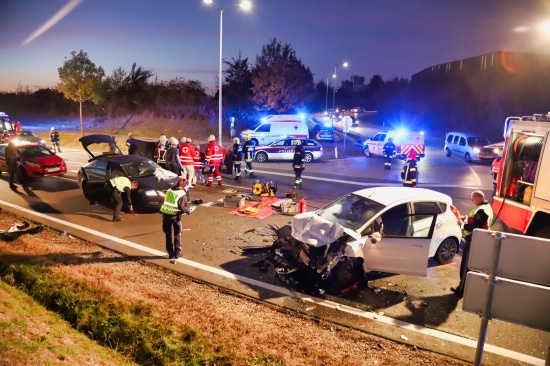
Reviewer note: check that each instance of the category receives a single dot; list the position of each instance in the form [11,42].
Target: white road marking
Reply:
[320,302]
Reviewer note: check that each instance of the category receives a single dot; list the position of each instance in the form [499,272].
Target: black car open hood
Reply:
[91,140]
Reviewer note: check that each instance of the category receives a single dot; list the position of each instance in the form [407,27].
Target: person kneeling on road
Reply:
[175,204]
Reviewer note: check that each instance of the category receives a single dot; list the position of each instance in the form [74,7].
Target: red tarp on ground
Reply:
[264,207]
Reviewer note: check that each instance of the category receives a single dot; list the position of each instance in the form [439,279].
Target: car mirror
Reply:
[376,237]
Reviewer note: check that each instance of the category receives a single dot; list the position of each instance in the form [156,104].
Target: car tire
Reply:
[367,153]
[448,153]
[86,192]
[446,251]
[261,157]
[308,157]
[22,175]
[467,158]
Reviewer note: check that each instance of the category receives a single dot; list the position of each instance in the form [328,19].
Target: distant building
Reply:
[500,62]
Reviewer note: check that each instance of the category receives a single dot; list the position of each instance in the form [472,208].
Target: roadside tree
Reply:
[237,88]
[81,81]
[280,81]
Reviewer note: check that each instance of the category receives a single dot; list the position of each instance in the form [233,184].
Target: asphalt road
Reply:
[420,310]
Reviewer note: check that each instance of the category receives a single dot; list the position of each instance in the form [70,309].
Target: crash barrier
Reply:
[508,279]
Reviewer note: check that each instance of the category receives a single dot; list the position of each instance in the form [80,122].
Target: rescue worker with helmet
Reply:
[173,163]
[481,217]
[298,163]
[389,151]
[175,204]
[237,152]
[248,152]
[409,173]
[199,161]
[162,145]
[187,153]
[214,157]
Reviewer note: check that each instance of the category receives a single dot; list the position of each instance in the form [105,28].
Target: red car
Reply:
[34,161]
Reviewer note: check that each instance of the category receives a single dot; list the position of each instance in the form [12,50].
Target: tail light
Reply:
[454,210]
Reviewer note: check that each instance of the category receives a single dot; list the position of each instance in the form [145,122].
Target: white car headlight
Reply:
[32,165]
[151,193]
[476,150]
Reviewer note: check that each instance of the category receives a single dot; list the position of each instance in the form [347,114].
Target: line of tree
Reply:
[278,82]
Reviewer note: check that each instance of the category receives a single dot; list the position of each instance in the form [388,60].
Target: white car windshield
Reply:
[351,211]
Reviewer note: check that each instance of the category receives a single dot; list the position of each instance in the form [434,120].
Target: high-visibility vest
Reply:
[488,210]
[120,183]
[170,205]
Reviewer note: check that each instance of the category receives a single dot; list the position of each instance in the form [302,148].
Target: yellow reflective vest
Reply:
[170,205]
[486,207]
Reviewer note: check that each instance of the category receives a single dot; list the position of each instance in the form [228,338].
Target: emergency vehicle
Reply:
[522,196]
[404,142]
[7,125]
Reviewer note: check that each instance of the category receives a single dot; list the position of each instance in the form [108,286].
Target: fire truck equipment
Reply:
[268,189]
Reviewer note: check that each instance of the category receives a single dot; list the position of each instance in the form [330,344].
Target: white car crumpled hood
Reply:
[313,230]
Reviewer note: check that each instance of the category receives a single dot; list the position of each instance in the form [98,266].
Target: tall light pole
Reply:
[245,5]
[344,64]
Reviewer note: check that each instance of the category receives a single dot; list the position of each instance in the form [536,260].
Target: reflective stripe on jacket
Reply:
[486,207]
[120,183]
[170,204]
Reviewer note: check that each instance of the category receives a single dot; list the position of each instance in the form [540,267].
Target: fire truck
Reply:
[522,196]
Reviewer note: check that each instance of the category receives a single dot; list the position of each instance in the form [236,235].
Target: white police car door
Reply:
[403,249]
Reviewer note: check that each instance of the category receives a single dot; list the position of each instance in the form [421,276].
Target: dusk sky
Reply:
[180,38]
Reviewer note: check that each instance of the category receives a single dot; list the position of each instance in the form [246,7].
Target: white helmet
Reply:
[211,137]
[189,140]
[174,141]
[183,140]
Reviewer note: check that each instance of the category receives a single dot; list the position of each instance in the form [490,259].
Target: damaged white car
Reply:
[387,229]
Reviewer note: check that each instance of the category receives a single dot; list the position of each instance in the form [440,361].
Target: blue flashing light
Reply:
[422,132]
[401,132]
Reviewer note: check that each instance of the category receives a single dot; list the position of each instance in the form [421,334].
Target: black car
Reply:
[30,137]
[107,161]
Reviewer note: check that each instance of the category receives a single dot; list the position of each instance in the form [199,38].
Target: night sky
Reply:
[180,38]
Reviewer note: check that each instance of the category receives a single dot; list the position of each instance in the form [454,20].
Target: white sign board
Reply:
[346,123]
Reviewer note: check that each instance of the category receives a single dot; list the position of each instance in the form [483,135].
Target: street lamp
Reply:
[344,64]
[245,5]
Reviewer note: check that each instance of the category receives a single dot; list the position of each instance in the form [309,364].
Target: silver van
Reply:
[469,146]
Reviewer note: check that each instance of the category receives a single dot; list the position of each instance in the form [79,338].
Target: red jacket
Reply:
[187,153]
[214,153]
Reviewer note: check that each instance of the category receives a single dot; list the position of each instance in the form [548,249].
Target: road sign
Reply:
[346,123]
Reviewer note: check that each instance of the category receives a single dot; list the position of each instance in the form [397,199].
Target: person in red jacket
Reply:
[214,157]
[187,153]
[199,161]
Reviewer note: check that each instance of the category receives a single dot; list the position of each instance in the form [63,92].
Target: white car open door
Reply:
[401,251]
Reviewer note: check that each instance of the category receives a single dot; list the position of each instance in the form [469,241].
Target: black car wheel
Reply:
[448,153]
[308,157]
[261,157]
[467,158]
[85,190]
[446,251]
[367,152]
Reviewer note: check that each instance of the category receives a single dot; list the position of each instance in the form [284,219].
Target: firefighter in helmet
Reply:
[298,163]
[237,152]
[248,152]
[409,173]
[389,151]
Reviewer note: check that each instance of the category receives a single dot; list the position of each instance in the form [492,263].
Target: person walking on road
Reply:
[214,157]
[248,152]
[237,157]
[172,156]
[121,185]
[409,173]
[298,163]
[54,139]
[175,204]
[11,161]
[480,217]
[389,151]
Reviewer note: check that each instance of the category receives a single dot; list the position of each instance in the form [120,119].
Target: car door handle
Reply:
[438,224]
[416,246]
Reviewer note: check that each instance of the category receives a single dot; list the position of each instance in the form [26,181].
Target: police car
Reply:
[283,149]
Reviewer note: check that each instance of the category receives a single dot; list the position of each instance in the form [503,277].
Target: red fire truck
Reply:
[522,196]
[7,125]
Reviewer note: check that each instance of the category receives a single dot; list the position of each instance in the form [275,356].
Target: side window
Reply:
[462,141]
[266,127]
[426,208]
[396,221]
[455,140]
[282,143]
[450,138]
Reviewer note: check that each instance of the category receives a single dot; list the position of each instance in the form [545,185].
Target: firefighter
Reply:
[121,185]
[237,152]
[175,204]
[409,173]
[199,162]
[298,163]
[481,217]
[187,153]
[54,139]
[248,151]
[214,157]
[160,151]
[173,163]
[389,150]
